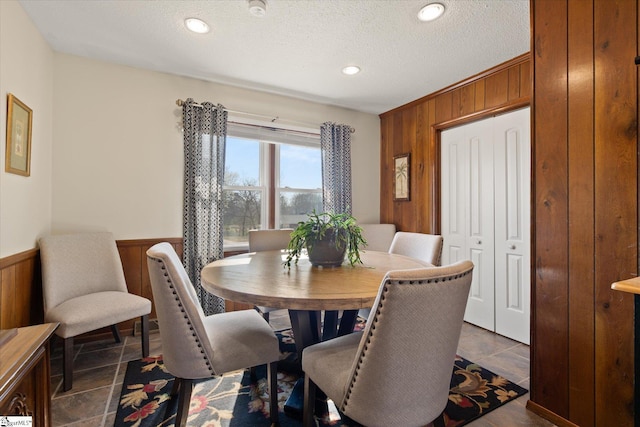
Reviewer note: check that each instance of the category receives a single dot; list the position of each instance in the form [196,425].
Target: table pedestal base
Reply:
[308,330]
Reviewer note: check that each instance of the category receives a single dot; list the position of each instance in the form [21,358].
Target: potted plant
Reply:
[328,237]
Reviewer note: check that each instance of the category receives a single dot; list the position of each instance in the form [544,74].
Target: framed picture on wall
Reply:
[18,151]
[401,177]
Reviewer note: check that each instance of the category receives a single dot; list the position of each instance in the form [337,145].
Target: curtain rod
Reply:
[180,103]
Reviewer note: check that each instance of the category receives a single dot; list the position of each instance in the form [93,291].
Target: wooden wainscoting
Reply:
[134,263]
[20,290]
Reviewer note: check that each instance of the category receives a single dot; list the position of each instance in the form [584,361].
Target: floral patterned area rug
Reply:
[234,400]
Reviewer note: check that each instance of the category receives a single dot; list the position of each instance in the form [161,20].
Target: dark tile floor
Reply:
[99,370]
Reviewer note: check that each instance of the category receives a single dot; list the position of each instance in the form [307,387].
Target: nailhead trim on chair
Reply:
[385,289]
[193,334]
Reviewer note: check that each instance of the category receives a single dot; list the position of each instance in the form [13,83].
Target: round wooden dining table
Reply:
[261,278]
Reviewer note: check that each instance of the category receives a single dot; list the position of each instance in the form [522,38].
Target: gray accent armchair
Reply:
[84,289]
[397,371]
[196,346]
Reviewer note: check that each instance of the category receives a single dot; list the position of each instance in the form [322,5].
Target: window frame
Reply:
[269,176]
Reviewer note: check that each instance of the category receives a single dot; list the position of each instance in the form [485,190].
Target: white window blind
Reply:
[274,133]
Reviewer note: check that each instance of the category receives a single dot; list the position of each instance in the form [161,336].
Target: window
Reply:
[299,188]
[259,173]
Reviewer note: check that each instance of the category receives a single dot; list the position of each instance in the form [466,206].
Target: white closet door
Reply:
[485,217]
[512,144]
[472,212]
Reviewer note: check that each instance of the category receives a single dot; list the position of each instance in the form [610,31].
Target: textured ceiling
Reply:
[300,46]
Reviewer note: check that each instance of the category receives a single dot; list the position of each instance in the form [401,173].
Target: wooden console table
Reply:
[25,383]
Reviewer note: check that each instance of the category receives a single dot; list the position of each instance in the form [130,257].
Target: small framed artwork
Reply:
[18,151]
[401,177]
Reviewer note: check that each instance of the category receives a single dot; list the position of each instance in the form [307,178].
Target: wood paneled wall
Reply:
[20,290]
[133,254]
[585,208]
[585,195]
[413,128]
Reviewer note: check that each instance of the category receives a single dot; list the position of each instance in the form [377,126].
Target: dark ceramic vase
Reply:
[325,253]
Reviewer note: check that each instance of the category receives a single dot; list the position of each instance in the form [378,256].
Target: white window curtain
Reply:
[205,128]
[335,144]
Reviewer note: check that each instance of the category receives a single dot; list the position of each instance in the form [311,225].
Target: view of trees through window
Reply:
[259,173]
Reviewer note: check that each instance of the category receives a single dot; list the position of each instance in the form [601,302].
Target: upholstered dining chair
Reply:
[378,236]
[196,346]
[84,289]
[268,240]
[398,369]
[425,247]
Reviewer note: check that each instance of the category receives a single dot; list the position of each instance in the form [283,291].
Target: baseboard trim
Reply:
[549,415]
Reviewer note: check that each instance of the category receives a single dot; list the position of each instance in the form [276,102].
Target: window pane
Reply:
[294,207]
[242,162]
[241,213]
[300,167]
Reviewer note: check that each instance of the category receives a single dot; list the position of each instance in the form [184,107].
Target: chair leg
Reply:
[144,332]
[116,333]
[176,387]
[309,402]
[272,380]
[184,398]
[67,363]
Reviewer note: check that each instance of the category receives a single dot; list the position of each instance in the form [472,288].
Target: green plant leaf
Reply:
[315,227]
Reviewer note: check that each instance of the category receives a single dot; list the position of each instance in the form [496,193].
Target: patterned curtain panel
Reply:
[335,144]
[205,128]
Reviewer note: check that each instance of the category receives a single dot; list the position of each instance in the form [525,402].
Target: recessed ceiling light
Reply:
[197,25]
[430,12]
[351,70]
[258,8]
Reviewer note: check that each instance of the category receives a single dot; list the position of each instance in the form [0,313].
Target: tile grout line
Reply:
[113,382]
[512,352]
[61,382]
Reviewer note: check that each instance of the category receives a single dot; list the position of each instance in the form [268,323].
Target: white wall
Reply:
[26,71]
[106,147]
[118,159]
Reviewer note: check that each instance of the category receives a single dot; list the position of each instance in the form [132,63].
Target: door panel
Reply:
[473,171]
[512,218]
[454,161]
[480,307]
